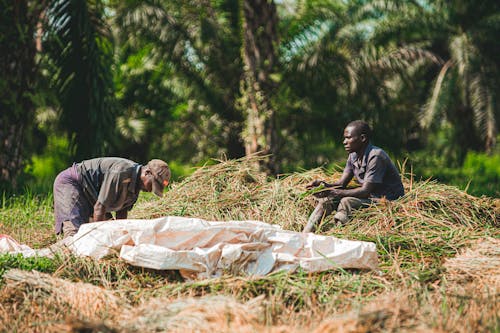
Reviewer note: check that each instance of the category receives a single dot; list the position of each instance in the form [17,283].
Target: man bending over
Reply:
[95,188]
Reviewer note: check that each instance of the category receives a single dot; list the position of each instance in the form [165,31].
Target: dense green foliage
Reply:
[191,81]
[18,87]
[80,58]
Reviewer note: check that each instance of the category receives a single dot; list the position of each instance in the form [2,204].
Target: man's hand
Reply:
[99,212]
[121,214]
[316,183]
[321,189]
[327,193]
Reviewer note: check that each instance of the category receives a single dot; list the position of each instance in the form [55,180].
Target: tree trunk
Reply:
[257,88]
[17,77]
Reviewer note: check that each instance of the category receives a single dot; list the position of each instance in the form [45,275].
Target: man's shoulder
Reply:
[116,160]
[377,151]
[115,163]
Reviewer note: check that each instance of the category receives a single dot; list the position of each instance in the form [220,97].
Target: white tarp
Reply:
[200,248]
[10,245]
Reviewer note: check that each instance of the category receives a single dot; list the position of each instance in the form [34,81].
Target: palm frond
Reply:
[483,108]
[82,53]
[409,27]
[430,110]
[403,57]
[131,128]
[460,50]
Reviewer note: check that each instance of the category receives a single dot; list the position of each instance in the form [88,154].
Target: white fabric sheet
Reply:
[200,248]
[10,245]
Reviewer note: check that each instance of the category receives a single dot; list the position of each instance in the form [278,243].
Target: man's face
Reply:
[353,142]
[147,181]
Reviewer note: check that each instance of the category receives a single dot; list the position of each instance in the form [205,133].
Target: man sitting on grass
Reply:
[371,167]
[95,188]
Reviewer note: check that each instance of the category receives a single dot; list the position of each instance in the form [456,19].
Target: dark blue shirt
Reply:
[376,167]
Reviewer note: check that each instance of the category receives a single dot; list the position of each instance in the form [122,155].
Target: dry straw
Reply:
[479,265]
[464,300]
[92,309]
[77,298]
[203,314]
[414,235]
[236,190]
[429,213]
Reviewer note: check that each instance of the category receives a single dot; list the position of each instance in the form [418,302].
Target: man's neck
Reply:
[361,152]
[140,179]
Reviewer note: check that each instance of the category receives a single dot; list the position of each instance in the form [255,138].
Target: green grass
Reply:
[41,264]
[414,237]
[28,218]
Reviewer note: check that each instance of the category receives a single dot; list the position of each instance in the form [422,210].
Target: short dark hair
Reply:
[361,127]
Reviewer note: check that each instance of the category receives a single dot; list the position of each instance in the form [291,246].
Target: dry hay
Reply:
[87,308]
[465,300]
[415,310]
[38,302]
[479,265]
[237,190]
[202,314]
[76,298]
[428,206]
[431,222]
[387,313]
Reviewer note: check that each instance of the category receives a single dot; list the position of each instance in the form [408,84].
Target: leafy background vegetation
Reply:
[191,81]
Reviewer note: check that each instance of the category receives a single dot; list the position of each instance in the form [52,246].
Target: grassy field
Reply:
[439,254]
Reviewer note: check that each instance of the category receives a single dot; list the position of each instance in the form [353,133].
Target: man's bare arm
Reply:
[361,192]
[340,183]
[343,181]
[99,212]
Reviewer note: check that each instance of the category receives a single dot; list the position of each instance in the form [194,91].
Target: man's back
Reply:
[110,180]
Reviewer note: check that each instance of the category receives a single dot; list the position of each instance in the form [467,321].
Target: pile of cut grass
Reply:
[430,222]
[417,238]
[236,190]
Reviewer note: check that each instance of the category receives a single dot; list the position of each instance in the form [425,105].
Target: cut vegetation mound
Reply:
[437,248]
[237,190]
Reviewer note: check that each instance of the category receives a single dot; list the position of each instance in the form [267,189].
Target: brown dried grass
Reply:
[466,294]
[236,190]
[466,299]
[87,308]
[82,298]
[479,265]
[202,314]
[425,287]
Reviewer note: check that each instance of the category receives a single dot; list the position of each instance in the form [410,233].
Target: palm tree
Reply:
[260,42]
[200,41]
[464,35]
[332,65]
[18,79]
[80,56]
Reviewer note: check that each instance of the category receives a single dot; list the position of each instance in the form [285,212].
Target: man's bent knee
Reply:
[341,218]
